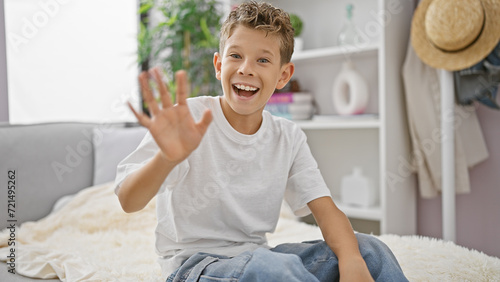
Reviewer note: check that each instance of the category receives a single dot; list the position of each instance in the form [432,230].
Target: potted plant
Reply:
[297,25]
[183,36]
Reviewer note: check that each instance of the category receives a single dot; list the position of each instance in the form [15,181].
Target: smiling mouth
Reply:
[244,90]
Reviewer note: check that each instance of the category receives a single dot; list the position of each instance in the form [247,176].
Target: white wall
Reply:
[4,99]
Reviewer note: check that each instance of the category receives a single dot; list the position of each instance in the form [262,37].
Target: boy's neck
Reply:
[244,124]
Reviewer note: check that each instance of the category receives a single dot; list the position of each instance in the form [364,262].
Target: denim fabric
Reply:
[301,262]
[480,82]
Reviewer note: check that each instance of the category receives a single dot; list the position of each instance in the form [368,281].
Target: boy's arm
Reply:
[339,236]
[174,131]
[142,185]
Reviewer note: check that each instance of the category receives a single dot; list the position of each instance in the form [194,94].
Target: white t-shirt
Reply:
[227,194]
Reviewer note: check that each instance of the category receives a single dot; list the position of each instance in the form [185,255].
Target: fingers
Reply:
[147,94]
[166,100]
[205,121]
[142,118]
[182,87]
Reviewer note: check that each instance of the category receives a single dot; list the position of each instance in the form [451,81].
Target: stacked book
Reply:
[291,105]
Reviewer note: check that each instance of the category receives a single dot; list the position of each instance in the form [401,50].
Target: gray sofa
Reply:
[51,160]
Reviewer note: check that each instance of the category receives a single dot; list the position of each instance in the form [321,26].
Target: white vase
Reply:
[357,190]
[350,91]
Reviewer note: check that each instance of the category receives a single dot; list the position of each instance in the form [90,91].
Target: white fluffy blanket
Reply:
[91,239]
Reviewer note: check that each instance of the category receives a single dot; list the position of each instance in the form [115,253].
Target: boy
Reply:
[220,181]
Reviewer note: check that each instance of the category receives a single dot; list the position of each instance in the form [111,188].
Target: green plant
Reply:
[297,24]
[184,37]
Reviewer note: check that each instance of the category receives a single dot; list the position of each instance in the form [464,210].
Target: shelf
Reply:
[335,51]
[371,213]
[340,122]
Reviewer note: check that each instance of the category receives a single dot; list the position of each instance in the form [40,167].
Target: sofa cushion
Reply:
[111,145]
[50,160]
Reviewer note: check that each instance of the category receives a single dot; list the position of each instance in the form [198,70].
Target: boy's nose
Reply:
[246,69]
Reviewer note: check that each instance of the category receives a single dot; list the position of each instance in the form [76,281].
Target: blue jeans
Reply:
[301,262]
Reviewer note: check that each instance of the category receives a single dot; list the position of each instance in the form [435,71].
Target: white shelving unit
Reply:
[372,213]
[334,51]
[378,142]
[339,122]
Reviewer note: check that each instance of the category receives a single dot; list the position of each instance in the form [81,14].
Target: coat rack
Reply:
[448,155]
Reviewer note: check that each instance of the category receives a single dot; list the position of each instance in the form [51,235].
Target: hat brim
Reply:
[452,61]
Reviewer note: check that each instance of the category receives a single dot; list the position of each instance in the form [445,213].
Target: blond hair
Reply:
[261,16]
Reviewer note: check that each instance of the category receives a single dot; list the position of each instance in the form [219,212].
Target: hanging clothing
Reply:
[423,103]
[480,82]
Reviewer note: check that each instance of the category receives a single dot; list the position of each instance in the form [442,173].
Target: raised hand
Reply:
[172,126]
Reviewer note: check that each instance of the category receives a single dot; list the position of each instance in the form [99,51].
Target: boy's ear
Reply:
[217,65]
[286,74]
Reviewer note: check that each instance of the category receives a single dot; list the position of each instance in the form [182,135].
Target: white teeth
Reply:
[245,87]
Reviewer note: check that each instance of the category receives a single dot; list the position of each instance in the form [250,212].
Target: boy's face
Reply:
[250,70]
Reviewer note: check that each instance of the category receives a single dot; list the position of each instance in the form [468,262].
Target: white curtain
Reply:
[71,60]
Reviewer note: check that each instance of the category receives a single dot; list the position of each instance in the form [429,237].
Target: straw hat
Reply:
[455,34]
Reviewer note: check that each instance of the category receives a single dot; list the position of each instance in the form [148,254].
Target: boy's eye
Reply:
[263,61]
[236,56]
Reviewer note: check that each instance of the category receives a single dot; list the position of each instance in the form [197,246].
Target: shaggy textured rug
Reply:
[90,238]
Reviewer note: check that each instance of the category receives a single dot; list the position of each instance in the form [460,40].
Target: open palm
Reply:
[172,126]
